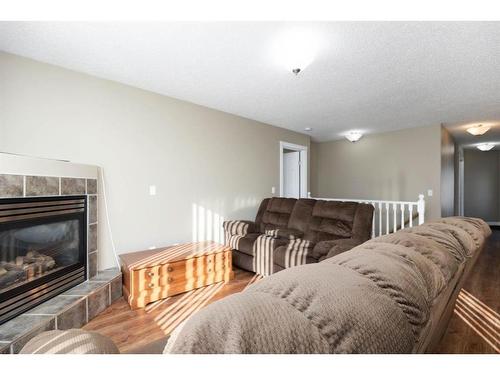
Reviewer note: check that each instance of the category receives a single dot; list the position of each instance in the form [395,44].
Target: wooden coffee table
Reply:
[151,275]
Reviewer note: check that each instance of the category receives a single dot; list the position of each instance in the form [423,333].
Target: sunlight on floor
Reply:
[480,317]
[253,280]
[170,312]
[190,303]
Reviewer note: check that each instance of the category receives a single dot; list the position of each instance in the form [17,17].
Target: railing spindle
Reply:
[387,213]
[411,215]
[402,216]
[395,212]
[421,209]
[373,220]
[380,218]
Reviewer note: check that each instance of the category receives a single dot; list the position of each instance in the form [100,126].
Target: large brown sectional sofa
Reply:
[391,294]
[289,232]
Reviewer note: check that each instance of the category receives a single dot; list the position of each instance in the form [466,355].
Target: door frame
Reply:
[461,181]
[304,164]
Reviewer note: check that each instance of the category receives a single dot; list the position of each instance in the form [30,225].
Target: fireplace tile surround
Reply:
[73,186]
[19,186]
[78,305]
[11,186]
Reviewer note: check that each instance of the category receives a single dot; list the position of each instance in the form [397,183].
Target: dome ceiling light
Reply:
[477,130]
[354,136]
[485,146]
[295,49]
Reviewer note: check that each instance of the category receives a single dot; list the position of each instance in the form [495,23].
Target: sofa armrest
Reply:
[285,233]
[239,227]
[328,249]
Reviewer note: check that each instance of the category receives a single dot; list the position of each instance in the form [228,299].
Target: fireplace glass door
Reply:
[42,250]
[37,250]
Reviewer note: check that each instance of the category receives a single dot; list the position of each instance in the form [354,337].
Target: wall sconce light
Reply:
[485,146]
[478,129]
[354,136]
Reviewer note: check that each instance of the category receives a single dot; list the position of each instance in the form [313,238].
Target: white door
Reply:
[291,174]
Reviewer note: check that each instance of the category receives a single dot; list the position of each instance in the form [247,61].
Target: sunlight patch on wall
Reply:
[206,224]
[245,203]
[208,216]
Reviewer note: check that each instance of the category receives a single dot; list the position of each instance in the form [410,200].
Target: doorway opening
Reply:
[293,170]
[479,184]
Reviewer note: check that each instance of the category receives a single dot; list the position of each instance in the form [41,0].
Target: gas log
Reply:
[24,268]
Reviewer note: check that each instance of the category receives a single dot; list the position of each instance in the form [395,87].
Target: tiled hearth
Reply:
[71,309]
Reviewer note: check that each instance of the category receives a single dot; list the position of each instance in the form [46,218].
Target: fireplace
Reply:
[43,250]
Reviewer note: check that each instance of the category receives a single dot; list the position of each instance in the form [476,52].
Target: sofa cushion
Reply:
[260,212]
[301,215]
[332,220]
[243,243]
[285,233]
[444,239]
[343,211]
[327,249]
[242,260]
[340,246]
[277,213]
[295,253]
[321,230]
[263,251]
[363,221]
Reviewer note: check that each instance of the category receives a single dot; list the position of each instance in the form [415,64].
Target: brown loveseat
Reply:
[289,232]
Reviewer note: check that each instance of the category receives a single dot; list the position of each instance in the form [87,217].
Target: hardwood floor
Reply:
[474,327]
[130,329]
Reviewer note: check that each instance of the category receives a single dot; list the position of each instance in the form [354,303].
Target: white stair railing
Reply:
[390,216]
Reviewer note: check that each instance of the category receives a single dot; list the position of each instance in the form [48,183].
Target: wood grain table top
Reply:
[169,254]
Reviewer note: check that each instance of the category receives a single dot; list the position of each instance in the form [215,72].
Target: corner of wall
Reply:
[313,174]
[447,173]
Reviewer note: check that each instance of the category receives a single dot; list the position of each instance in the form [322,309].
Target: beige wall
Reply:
[482,184]
[207,165]
[396,165]
[447,173]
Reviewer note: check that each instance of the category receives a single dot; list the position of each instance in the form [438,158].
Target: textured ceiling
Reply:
[370,76]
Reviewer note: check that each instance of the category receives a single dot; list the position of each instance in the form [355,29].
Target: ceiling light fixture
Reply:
[354,136]
[478,129]
[295,49]
[485,146]
[308,129]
